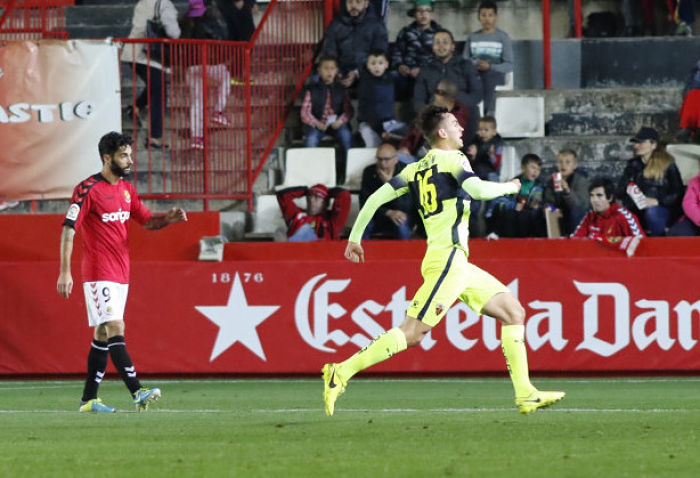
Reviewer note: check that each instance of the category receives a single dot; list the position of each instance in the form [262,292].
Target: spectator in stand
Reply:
[379,7]
[414,146]
[414,47]
[690,109]
[484,154]
[567,190]
[317,222]
[375,93]
[445,65]
[609,222]
[150,67]
[521,215]
[651,185]
[326,109]
[689,224]
[204,23]
[238,15]
[485,150]
[351,36]
[393,219]
[684,16]
[492,53]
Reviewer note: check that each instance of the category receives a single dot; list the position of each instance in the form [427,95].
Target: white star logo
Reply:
[237,321]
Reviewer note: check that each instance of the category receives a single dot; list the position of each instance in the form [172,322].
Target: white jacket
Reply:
[144,11]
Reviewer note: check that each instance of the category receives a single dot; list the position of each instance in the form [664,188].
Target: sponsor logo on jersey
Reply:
[73,212]
[120,216]
[127,196]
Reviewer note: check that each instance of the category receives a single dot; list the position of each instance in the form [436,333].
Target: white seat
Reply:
[358,160]
[520,116]
[268,216]
[510,165]
[508,84]
[309,166]
[687,158]
[354,211]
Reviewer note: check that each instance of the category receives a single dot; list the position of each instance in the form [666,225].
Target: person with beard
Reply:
[455,68]
[100,207]
[351,36]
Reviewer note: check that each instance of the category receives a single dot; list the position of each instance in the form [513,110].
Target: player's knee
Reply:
[414,337]
[515,313]
[115,327]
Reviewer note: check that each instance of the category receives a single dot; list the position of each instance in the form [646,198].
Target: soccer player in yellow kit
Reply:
[442,184]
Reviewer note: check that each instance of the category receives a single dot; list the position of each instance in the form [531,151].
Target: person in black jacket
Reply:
[351,36]
[238,15]
[455,68]
[651,185]
[395,218]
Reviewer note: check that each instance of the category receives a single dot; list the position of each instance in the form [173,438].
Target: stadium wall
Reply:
[277,308]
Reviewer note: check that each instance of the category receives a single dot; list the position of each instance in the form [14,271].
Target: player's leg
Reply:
[97,357]
[505,308]
[426,310]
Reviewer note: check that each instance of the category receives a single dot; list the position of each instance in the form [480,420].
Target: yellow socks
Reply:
[389,343]
[513,345]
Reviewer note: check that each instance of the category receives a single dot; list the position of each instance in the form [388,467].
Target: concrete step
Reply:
[600,155]
[607,111]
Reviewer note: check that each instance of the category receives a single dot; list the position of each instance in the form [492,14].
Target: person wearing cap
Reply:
[324,217]
[651,185]
[446,64]
[351,36]
[414,47]
[205,23]
[148,68]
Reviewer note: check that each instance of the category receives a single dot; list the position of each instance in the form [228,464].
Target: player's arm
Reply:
[486,190]
[383,195]
[64,286]
[176,214]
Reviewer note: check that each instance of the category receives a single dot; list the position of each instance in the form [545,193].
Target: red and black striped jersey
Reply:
[101,212]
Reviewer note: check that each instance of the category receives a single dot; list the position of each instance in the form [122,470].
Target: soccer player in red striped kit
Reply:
[101,207]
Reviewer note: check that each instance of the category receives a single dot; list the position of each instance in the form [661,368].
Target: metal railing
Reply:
[223,106]
[33,19]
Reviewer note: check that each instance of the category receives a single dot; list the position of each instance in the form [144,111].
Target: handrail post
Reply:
[205,121]
[248,124]
[578,18]
[546,45]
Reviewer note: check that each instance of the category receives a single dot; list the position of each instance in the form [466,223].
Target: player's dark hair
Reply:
[429,121]
[569,151]
[606,184]
[444,30]
[488,119]
[488,4]
[531,158]
[111,142]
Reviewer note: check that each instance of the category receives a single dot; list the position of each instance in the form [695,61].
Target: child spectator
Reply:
[485,150]
[651,185]
[491,50]
[395,218]
[414,47]
[375,92]
[326,109]
[567,190]
[317,221]
[609,222]
[521,215]
[689,224]
[413,146]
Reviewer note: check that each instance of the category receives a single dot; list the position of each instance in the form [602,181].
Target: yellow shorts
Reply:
[446,278]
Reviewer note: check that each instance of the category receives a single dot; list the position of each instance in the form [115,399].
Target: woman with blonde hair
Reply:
[651,185]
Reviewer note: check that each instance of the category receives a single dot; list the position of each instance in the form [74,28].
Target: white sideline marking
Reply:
[483,410]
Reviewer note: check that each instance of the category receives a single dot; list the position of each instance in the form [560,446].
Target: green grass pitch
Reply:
[617,427]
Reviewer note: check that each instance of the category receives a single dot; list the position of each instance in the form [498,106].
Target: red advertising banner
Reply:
[281,308]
